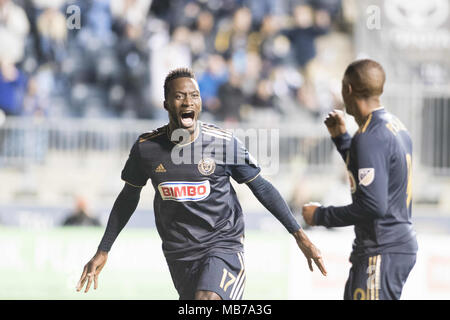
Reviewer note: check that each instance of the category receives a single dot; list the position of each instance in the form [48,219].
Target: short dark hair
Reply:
[367,77]
[175,74]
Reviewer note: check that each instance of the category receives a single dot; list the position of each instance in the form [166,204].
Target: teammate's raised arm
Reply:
[335,123]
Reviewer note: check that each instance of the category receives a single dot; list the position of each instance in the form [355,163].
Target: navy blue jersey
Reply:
[196,208]
[378,160]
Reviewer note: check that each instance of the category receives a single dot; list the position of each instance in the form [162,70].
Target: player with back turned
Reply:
[378,159]
[197,213]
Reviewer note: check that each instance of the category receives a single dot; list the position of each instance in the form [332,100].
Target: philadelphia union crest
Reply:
[206,166]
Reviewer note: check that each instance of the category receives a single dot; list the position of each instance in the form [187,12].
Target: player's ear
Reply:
[165,105]
[349,88]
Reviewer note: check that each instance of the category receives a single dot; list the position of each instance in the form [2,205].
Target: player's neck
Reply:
[182,138]
[365,108]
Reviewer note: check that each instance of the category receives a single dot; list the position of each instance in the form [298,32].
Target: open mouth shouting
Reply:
[187,119]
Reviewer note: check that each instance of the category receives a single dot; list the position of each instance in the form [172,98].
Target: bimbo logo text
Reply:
[184,191]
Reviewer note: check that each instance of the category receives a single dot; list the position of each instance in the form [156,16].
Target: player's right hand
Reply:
[335,123]
[92,270]
[308,212]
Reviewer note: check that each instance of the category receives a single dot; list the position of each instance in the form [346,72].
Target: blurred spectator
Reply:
[251,71]
[273,46]
[13,83]
[232,34]
[80,216]
[167,52]
[130,15]
[231,98]
[134,79]
[308,25]
[129,20]
[51,26]
[307,100]
[333,7]
[14,29]
[262,8]
[263,98]
[161,9]
[286,81]
[99,19]
[45,4]
[35,102]
[34,143]
[209,82]
[203,36]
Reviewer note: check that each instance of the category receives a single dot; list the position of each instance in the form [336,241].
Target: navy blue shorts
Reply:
[221,273]
[379,277]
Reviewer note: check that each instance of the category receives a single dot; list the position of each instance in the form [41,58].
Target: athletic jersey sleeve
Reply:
[369,166]
[272,200]
[242,167]
[133,173]
[342,144]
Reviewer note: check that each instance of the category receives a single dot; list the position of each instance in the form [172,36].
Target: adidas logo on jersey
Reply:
[160,168]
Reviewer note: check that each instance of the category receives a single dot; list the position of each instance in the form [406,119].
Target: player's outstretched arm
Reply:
[270,198]
[123,208]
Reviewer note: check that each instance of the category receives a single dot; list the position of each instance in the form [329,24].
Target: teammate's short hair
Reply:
[175,74]
[366,77]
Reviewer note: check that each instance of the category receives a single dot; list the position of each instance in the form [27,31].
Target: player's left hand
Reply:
[310,251]
[92,270]
[308,212]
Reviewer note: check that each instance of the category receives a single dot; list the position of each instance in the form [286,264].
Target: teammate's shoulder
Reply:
[385,127]
[148,136]
[371,133]
[393,125]
[215,131]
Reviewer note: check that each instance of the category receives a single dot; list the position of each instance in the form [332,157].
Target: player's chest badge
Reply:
[206,166]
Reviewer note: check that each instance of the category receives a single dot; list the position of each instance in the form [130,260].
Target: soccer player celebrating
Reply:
[197,213]
[378,159]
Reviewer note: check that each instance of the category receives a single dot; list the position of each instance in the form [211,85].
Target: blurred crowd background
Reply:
[251,57]
[81,79]
[93,71]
